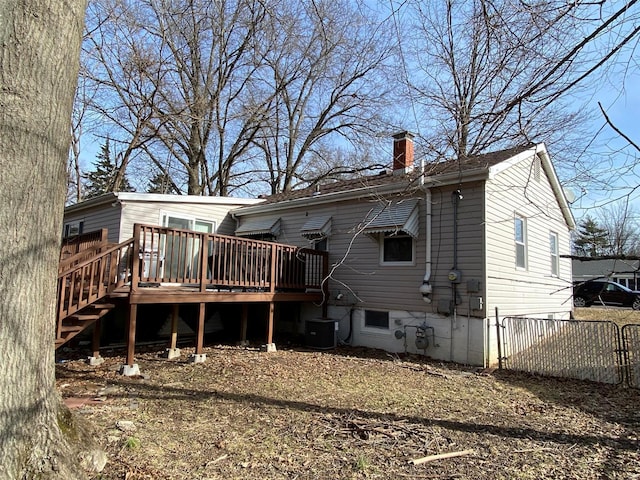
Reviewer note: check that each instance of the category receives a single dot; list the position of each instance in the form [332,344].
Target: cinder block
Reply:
[130,370]
[95,361]
[197,357]
[171,353]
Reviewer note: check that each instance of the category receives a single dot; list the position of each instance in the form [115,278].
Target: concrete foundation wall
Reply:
[454,338]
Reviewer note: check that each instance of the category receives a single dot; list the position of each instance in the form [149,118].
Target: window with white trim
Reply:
[187,222]
[520,229]
[554,255]
[396,248]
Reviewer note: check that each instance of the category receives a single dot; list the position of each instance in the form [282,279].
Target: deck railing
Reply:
[77,249]
[208,261]
[91,280]
[78,243]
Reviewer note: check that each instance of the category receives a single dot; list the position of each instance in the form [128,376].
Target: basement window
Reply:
[376,319]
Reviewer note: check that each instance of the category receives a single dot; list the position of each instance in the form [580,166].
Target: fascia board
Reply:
[510,162]
[558,191]
[190,199]
[156,197]
[93,202]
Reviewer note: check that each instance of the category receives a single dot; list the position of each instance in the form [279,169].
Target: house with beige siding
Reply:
[423,259]
[118,211]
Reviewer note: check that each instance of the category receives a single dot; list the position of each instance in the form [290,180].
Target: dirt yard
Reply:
[621,316]
[348,414]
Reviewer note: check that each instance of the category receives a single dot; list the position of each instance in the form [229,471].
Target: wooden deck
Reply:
[171,266]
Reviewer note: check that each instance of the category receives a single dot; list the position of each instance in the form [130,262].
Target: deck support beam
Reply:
[270,346]
[95,359]
[173,351]
[131,368]
[243,324]
[200,357]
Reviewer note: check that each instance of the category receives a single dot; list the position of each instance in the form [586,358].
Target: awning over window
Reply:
[253,227]
[401,216]
[316,227]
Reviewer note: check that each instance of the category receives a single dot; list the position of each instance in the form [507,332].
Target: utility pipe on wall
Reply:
[425,289]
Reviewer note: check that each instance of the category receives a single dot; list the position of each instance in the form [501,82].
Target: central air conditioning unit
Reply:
[320,333]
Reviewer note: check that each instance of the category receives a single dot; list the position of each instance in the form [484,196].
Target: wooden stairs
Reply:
[78,322]
[87,288]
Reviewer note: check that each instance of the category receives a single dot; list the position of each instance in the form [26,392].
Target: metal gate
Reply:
[587,350]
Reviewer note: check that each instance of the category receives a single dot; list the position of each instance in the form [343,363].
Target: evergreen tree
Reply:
[591,240]
[105,176]
[161,183]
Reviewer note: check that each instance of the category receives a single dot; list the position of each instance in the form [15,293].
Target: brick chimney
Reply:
[403,152]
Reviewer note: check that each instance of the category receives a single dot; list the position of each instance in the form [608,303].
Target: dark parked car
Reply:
[602,292]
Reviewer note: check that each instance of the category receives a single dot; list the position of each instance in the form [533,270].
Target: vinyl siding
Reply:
[531,291]
[358,273]
[101,216]
[119,216]
[151,213]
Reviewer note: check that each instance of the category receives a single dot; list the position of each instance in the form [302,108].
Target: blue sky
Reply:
[620,97]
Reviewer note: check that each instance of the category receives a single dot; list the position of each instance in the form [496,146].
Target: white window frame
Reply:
[164,217]
[381,241]
[554,254]
[520,244]
[193,220]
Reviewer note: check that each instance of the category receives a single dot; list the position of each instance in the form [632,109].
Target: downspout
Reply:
[426,289]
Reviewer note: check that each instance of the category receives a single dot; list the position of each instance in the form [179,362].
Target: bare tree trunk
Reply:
[39,50]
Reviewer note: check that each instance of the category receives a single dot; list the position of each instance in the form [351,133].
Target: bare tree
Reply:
[328,79]
[496,73]
[176,77]
[39,50]
[122,66]
[619,220]
[211,92]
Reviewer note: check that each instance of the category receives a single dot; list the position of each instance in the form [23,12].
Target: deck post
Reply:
[135,258]
[243,324]
[130,368]
[173,351]
[270,346]
[273,268]
[199,357]
[95,359]
[204,261]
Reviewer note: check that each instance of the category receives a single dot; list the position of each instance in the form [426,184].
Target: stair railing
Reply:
[92,279]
